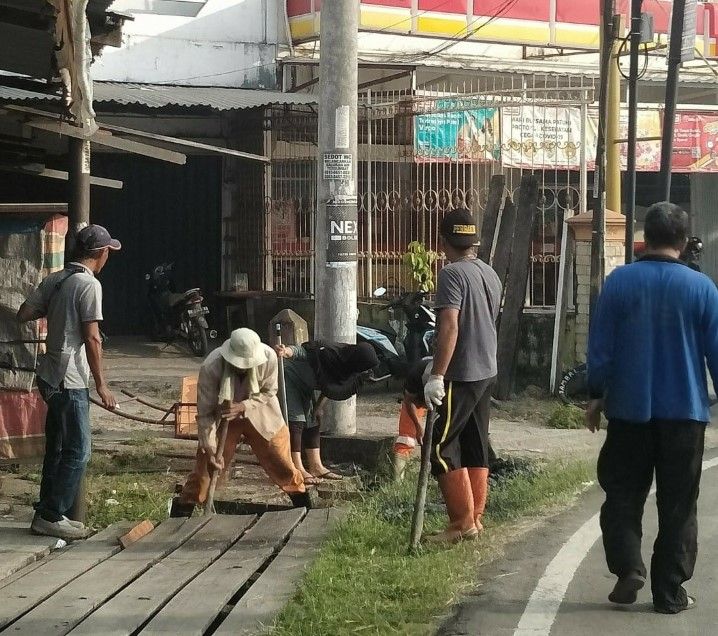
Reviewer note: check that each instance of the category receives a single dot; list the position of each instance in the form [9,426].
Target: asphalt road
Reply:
[555,581]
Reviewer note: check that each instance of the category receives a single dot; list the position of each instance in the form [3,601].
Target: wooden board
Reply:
[515,295]
[186,422]
[505,241]
[19,548]
[491,215]
[141,600]
[107,139]
[69,606]
[268,595]
[45,578]
[195,608]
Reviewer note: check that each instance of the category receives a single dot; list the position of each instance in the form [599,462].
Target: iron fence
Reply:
[425,151]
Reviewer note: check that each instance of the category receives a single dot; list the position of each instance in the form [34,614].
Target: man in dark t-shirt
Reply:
[468,299]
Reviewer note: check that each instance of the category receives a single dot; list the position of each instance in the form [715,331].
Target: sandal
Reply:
[330,476]
[311,481]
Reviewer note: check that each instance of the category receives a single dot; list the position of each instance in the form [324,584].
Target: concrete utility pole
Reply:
[336,242]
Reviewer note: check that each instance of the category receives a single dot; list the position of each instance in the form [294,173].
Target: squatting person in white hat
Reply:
[238,381]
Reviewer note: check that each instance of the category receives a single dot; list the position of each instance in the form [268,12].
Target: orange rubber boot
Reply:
[456,489]
[479,478]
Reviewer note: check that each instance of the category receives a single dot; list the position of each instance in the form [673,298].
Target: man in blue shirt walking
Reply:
[654,328]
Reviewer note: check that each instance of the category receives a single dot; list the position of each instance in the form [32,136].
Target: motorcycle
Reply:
[177,315]
[411,338]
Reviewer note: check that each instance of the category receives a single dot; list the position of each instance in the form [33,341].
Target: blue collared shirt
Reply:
[655,326]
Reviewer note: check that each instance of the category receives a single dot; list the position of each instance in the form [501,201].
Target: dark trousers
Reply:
[67,449]
[629,457]
[461,432]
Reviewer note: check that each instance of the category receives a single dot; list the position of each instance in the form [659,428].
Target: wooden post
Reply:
[221,441]
[79,217]
[504,242]
[515,295]
[490,218]
[417,522]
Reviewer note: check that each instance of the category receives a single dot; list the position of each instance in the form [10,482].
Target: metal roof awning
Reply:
[216,98]
[162,96]
[126,139]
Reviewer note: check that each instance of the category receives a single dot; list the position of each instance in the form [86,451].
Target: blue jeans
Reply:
[67,448]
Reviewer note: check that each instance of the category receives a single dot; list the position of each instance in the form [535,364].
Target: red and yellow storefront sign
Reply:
[560,23]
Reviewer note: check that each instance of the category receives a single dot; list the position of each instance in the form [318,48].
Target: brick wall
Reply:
[614,257]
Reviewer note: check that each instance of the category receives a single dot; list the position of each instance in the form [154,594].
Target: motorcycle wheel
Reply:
[573,388]
[198,339]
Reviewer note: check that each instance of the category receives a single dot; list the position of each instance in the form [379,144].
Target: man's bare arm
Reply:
[28,314]
[93,346]
[445,340]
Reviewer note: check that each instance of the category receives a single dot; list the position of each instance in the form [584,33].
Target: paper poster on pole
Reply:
[337,166]
[341,127]
[342,231]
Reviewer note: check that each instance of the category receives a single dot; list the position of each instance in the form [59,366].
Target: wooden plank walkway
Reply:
[19,548]
[222,574]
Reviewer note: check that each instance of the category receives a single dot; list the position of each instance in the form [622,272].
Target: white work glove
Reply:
[434,391]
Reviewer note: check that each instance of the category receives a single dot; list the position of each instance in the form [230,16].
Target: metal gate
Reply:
[428,150]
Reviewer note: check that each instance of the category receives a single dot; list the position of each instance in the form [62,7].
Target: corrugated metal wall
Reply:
[164,213]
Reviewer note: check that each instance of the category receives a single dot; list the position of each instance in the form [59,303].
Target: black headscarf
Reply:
[339,367]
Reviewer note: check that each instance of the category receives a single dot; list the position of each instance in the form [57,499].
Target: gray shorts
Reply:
[298,381]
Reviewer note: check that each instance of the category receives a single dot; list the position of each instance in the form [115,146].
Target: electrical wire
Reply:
[646,58]
[507,6]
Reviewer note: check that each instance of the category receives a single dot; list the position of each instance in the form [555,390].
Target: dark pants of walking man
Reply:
[630,456]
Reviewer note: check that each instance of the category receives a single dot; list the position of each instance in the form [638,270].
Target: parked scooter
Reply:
[411,338]
[177,315]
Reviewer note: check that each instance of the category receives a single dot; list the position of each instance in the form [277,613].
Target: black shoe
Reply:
[301,500]
[180,509]
[626,589]
[690,604]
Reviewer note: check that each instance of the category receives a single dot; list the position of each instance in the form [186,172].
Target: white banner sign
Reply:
[542,137]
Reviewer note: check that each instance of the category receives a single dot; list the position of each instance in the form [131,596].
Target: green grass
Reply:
[363,582]
[566,416]
[133,496]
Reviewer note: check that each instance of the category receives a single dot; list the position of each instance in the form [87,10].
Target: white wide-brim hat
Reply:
[244,349]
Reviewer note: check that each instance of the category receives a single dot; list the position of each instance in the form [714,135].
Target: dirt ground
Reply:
[518,427]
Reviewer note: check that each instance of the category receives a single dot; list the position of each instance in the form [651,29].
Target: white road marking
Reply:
[545,601]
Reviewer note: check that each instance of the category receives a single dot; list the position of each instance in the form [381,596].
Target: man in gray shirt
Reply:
[71,300]
[468,298]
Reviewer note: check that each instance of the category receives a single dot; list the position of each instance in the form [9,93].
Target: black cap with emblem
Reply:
[458,228]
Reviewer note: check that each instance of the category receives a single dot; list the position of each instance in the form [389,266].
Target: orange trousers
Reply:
[273,455]
[406,440]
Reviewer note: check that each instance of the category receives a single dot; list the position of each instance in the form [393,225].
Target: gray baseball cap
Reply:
[96,237]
